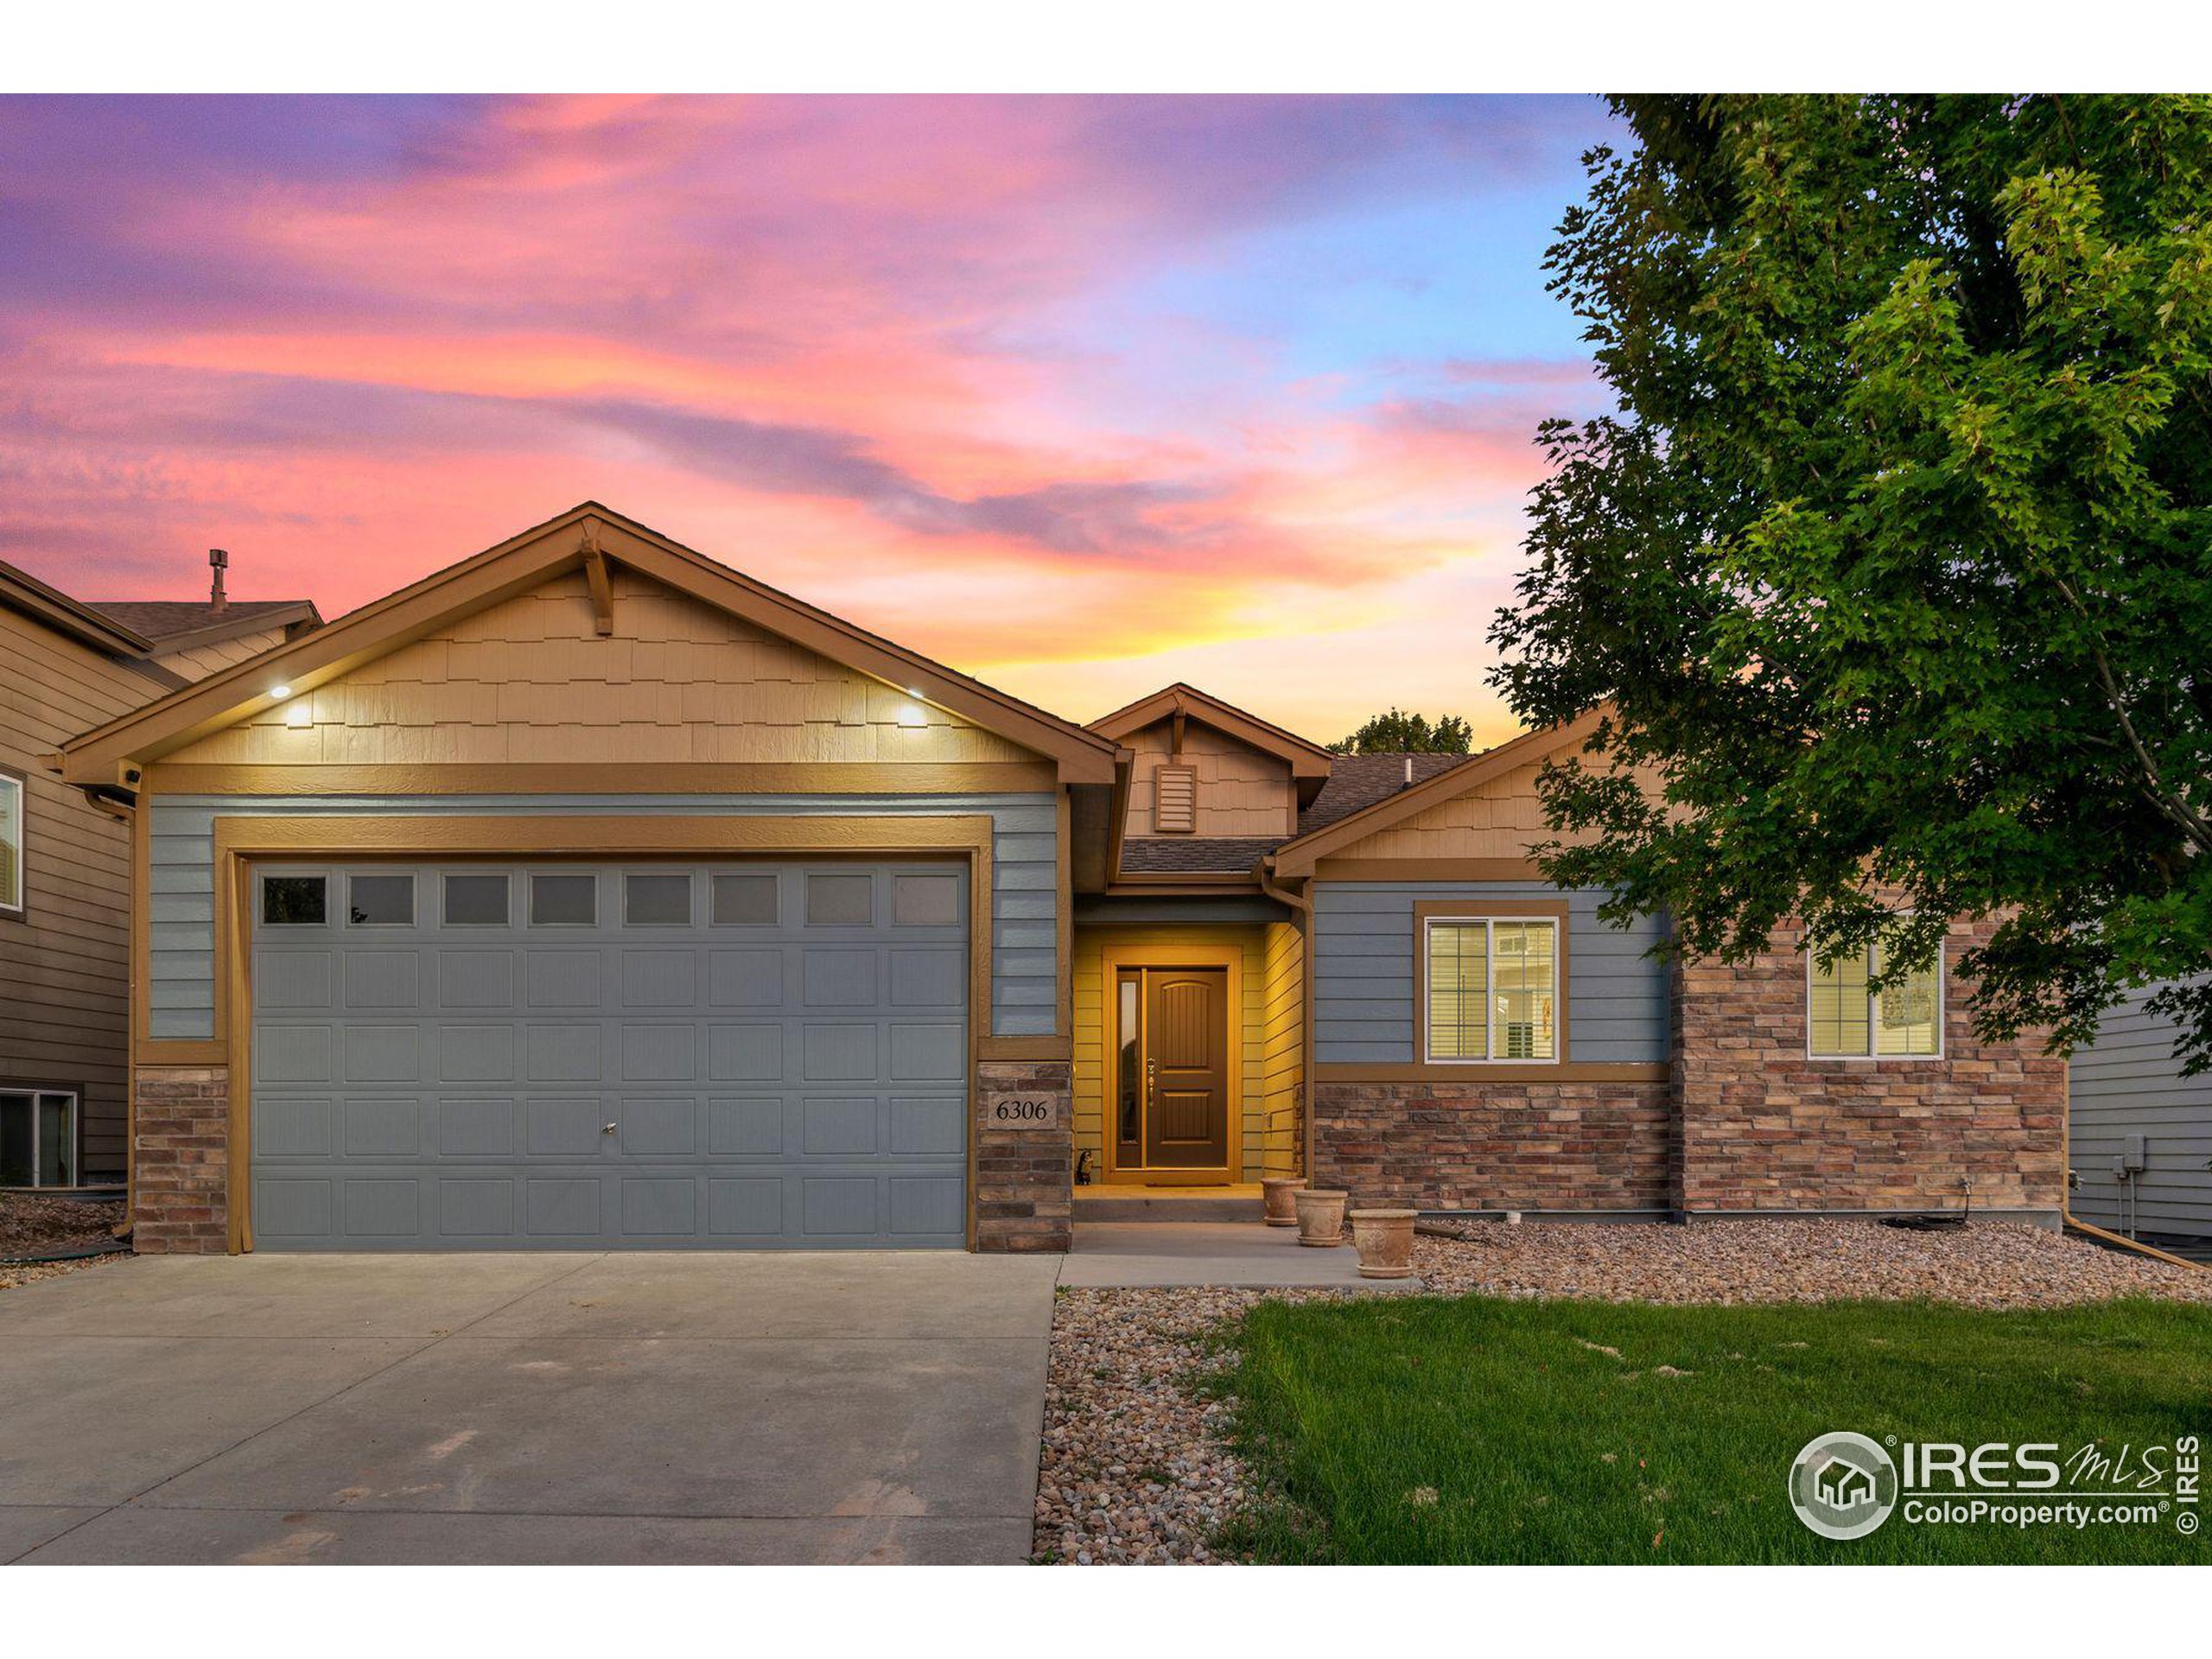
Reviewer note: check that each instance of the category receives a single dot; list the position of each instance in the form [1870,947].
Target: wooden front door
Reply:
[1172,1105]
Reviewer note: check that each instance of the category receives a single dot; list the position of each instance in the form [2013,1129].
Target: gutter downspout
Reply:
[1302,910]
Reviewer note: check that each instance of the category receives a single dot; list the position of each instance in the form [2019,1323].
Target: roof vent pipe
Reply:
[218,562]
[1410,769]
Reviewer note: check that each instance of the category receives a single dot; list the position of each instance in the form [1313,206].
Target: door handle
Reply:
[609,1129]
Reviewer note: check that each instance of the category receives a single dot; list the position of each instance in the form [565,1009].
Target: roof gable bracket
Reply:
[596,577]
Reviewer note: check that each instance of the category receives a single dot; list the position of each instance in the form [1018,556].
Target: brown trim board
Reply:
[766,777]
[1429,869]
[1507,1073]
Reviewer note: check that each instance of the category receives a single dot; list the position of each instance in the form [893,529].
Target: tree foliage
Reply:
[1895,565]
[1400,732]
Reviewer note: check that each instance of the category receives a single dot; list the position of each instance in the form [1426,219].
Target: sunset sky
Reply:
[1080,396]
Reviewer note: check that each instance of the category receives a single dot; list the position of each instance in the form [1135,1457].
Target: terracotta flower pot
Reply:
[1321,1218]
[1384,1239]
[1275,1195]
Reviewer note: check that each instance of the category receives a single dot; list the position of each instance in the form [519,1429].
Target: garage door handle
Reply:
[609,1129]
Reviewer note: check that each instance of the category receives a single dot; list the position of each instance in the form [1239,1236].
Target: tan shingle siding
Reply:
[530,682]
[64,968]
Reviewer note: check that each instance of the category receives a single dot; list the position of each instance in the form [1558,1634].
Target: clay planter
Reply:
[1321,1218]
[1384,1239]
[1275,1195]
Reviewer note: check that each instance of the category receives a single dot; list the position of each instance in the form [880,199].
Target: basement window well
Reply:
[38,1138]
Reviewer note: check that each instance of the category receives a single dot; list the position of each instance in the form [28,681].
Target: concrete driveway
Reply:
[736,1408]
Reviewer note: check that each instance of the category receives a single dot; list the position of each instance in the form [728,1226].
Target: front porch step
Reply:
[1167,1204]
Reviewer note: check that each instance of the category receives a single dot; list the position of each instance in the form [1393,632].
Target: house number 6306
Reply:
[1021,1111]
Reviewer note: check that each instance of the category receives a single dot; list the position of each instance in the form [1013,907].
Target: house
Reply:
[194,638]
[1844,1486]
[65,857]
[589,893]
[2140,1132]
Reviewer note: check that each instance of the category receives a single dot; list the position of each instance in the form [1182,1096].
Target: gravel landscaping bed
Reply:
[36,1226]
[1136,1465]
[1991,1264]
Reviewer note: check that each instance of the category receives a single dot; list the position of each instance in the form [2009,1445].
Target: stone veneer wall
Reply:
[180,1148]
[1025,1153]
[1512,1145]
[1746,1122]
[1765,1128]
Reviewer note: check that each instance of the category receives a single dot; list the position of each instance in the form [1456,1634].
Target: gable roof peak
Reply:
[1308,760]
[1318,836]
[587,536]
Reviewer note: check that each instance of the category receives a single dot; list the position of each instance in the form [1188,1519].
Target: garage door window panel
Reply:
[476,901]
[294,901]
[745,899]
[839,900]
[380,900]
[656,900]
[563,901]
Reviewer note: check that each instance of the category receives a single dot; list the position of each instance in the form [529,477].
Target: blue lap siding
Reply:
[1365,941]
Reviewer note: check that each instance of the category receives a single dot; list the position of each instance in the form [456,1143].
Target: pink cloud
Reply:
[842,344]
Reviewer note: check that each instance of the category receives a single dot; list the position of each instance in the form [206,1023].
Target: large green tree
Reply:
[1400,732]
[1894,566]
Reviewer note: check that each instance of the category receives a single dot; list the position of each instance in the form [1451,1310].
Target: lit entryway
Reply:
[551,1056]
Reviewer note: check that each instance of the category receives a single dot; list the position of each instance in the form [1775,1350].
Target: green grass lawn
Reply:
[1420,1430]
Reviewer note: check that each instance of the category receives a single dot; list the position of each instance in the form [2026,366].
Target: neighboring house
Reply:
[194,638]
[589,893]
[65,867]
[2141,1133]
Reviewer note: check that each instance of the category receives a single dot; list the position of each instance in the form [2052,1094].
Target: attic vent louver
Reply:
[1175,801]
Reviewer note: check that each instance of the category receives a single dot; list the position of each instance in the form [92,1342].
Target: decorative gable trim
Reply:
[1308,762]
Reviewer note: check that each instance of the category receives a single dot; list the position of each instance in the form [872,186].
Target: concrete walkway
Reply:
[1146,1254]
[728,1407]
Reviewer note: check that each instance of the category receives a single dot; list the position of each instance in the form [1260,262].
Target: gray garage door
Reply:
[571,1057]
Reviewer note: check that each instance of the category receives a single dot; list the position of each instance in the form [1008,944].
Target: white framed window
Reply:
[1845,1019]
[1490,990]
[38,1137]
[11,844]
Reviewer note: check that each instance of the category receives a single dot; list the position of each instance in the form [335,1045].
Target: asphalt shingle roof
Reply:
[164,619]
[1358,781]
[1195,854]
